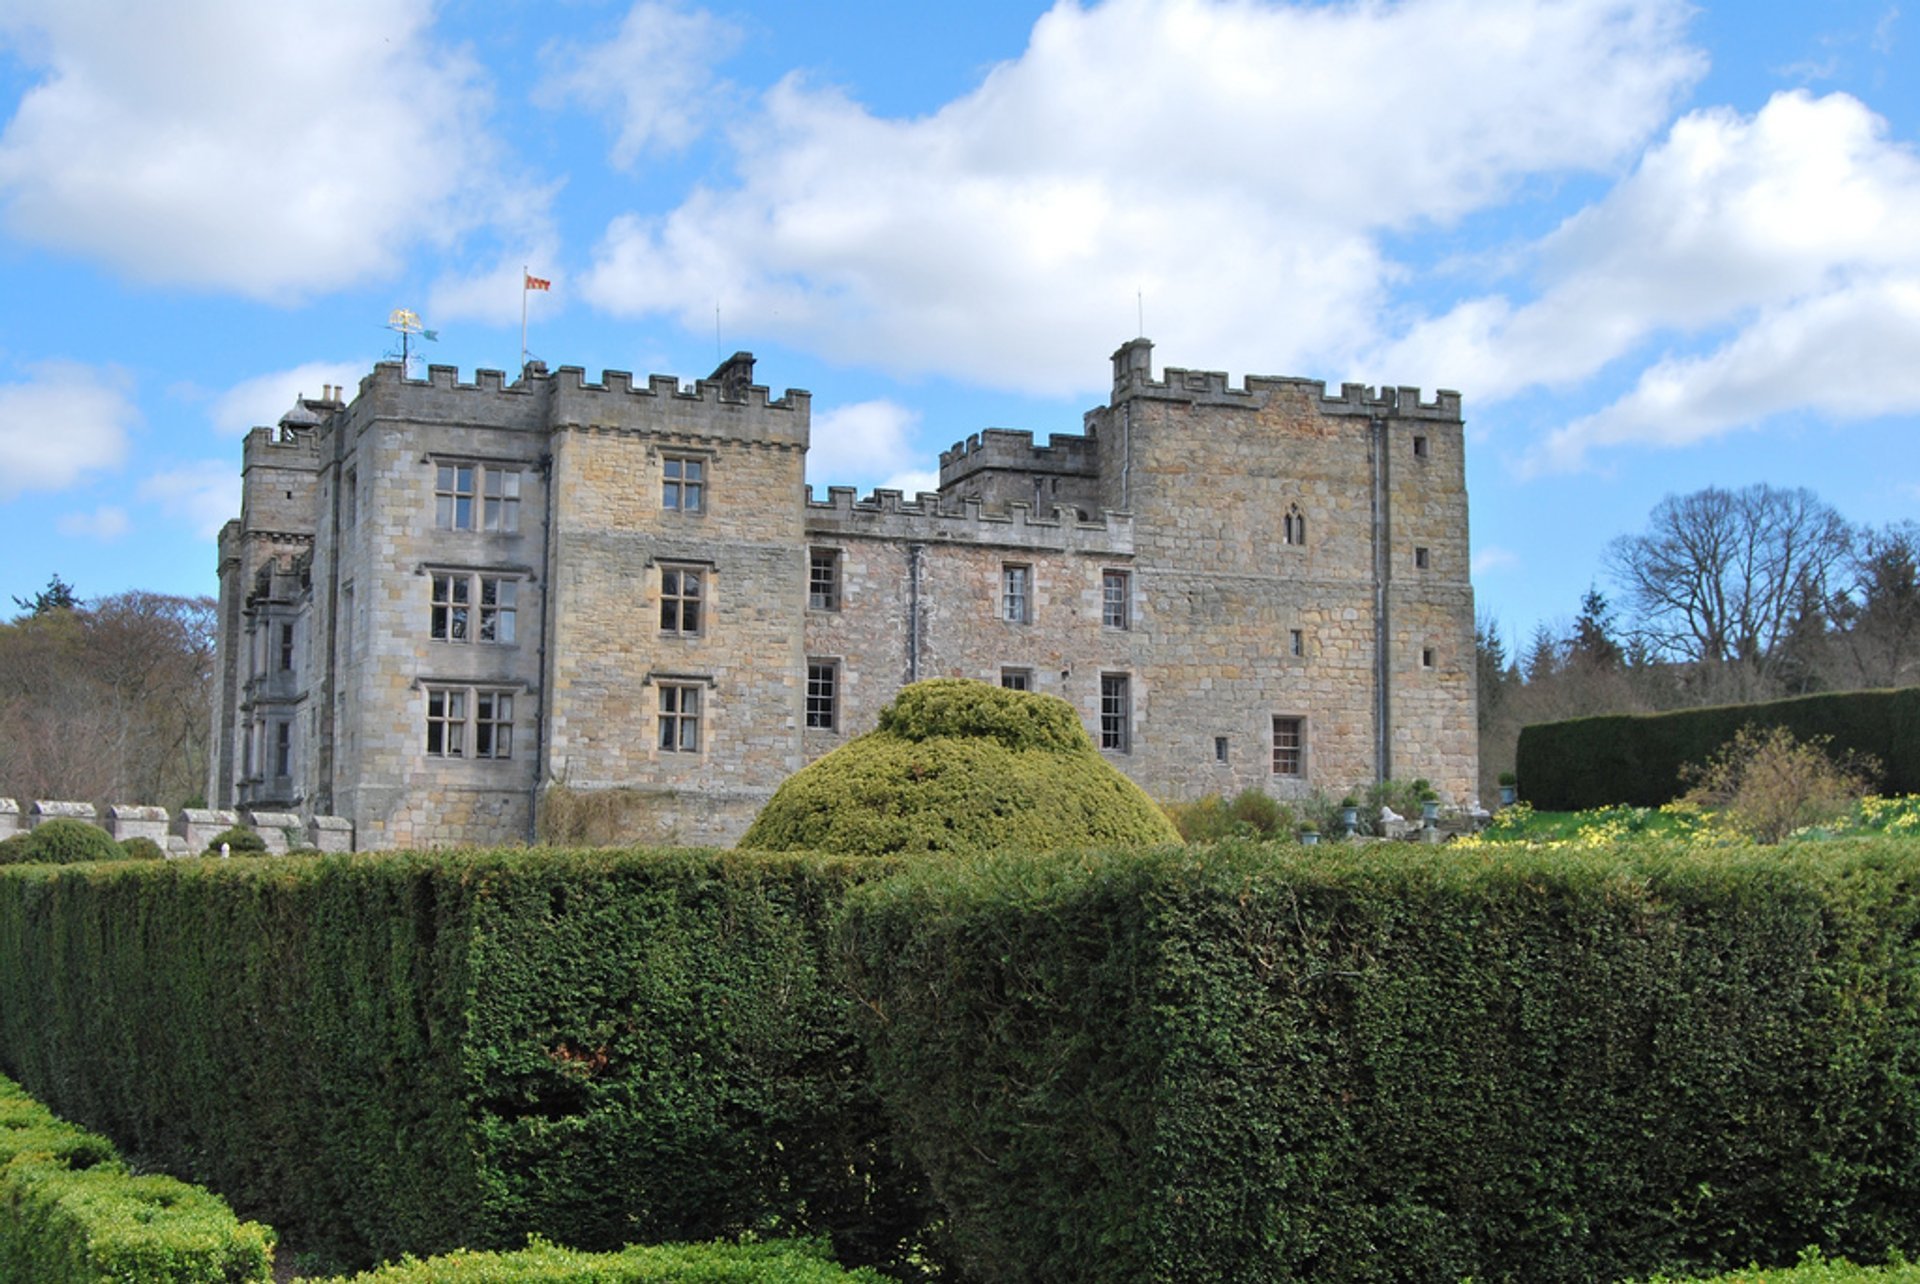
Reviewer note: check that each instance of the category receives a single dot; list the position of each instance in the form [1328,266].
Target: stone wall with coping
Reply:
[187,832]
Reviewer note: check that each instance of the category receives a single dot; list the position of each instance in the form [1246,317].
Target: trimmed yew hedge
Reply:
[71,1213]
[1264,1063]
[783,1262]
[1636,758]
[413,1052]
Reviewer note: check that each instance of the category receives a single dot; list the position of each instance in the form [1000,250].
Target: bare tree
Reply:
[1720,575]
[107,701]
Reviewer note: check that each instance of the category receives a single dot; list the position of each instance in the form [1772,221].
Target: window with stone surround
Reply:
[482,497]
[471,607]
[823,695]
[1421,559]
[1289,746]
[1419,447]
[1017,679]
[286,648]
[1426,657]
[1296,642]
[469,722]
[679,717]
[1016,593]
[1116,712]
[682,596]
[1115,599]
[823,579]
[283,748]
[1293,527]
[683,486]
[349,498]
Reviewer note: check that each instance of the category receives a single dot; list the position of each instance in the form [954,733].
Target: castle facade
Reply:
[442,599]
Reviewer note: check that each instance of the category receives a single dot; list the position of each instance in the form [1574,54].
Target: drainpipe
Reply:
[542,759]
[914,552]
[1126,456]
[1377,464]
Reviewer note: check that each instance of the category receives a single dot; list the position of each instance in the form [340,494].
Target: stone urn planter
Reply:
[1309,837]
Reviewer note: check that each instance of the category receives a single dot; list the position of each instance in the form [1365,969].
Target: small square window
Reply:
[682,590]
[1289,746]
[1296,642]
[1017,679]
[1426,657]
[679,718]
[683,484]
[1016,594]
[1419,447]
[1115,599]
[823,579]
[1420,559]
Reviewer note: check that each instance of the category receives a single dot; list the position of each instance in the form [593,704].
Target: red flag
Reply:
[537,283]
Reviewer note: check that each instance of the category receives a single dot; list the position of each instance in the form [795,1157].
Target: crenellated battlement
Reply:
[726,387]
[888,514]
[1065,454]
[1133,378]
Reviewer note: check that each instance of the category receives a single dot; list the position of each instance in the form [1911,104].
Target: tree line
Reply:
[108,700]
[1727,596]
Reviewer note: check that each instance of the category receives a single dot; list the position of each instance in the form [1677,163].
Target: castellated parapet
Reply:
[446,599]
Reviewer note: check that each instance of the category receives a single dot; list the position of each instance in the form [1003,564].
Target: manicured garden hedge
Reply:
[784,1262]
[1636,758]
[1264,1064]
[71,1213]
[412,1053]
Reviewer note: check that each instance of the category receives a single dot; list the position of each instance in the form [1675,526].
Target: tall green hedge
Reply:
[413,1053]
[1636,758]
[1246,1064]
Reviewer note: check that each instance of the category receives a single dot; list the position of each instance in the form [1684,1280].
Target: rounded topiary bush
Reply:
[142,849]
[13,849]
[240,841]
[960,767]
[63,841]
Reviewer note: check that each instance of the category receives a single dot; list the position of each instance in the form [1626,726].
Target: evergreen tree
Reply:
[58,595]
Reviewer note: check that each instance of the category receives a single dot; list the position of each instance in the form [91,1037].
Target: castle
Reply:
[442,599]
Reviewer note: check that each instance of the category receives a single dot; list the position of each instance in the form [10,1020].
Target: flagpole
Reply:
[523,321]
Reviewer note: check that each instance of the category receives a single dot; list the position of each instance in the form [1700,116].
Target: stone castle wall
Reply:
[186,832]
[1357,623]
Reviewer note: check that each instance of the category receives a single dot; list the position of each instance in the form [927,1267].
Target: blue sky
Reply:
[1655,246]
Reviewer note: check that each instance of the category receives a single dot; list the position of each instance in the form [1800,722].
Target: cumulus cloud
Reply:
[652,80]
[868,444]
[276,150]
[1236,164]
[106,523]
[1845,354]
[65,421]
[261,400]
[204,494]
[1785,244]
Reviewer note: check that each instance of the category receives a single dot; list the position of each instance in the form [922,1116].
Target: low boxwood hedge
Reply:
[71,1213]
[779,1262]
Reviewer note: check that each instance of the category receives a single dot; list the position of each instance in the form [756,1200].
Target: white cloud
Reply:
[653,79]
[106,523]
[1235,163]
[261,400]
[205,494]
[1732,221]
[1494,558]
[1847,354]
[65,421]
[277,150]
[867,444]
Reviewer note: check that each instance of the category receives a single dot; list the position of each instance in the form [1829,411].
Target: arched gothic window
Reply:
[1295,525]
